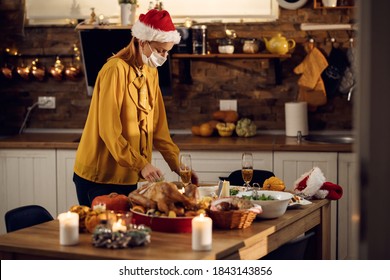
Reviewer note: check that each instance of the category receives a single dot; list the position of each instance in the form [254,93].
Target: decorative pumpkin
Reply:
[226,129]
[113,201]
[92,220]
[206,130]
[227,116]
[274,184]
[82,210]
[246,128]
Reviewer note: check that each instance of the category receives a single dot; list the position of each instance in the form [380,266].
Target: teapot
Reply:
[279,44]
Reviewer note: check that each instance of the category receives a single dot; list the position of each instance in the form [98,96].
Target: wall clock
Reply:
[292,4]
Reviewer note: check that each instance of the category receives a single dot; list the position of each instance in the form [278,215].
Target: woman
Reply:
[127,116]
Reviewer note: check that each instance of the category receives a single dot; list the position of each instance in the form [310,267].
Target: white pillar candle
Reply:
[225,189]
[69,228]
[202,228]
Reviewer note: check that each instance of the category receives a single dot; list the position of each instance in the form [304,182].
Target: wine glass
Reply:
[247,168]
[185,168]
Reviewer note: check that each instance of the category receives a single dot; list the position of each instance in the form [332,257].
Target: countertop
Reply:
[271,142]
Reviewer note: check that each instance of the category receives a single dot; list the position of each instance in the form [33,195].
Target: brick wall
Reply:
[250,81]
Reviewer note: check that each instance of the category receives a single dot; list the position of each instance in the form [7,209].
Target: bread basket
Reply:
[241,214]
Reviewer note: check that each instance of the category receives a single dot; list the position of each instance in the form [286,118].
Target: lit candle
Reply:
[118,226]
[69,228]
[202,228]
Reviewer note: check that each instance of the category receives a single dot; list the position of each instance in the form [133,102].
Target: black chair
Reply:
[296,249]
[259,176]
[26,216]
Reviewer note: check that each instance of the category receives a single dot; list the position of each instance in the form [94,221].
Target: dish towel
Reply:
[311,86]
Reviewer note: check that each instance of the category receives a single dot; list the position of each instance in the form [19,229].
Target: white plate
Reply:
[299,203]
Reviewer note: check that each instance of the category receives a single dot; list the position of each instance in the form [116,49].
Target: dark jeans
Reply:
[87,190]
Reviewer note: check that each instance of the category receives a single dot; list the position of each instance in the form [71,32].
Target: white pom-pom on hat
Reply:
[156,26]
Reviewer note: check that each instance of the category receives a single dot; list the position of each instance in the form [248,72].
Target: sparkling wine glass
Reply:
[247,168]
[185,168]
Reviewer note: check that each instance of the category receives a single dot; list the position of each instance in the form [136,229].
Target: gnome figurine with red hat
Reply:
[313,184]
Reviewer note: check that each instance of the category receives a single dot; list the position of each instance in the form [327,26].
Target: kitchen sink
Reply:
[333,139]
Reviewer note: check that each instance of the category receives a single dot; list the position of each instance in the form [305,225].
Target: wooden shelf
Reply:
[326,26]
[185,62]
[230,56]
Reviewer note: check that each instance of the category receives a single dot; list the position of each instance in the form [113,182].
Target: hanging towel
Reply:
[311,86]
[338,62]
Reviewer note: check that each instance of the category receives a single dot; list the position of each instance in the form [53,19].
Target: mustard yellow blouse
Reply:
[111,143]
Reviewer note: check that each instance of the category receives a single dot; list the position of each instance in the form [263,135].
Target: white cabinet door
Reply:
[347,222]
[66,190]
[27,177]
[210,165]
[289,166]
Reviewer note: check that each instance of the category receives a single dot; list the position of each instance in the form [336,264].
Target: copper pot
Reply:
[38,70]
[23,71]
[6,70]
[57,70]
[73,72]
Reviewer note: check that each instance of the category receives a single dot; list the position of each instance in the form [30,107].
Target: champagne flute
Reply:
[185,168]
[247,168]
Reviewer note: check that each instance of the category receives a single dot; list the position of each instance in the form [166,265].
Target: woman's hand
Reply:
[151,173]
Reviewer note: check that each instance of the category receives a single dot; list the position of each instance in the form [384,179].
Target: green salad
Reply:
[258,197]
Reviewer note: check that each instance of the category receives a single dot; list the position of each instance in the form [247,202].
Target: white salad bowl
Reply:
[271,208]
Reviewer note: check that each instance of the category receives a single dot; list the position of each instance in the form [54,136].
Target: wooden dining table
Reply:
[263,236]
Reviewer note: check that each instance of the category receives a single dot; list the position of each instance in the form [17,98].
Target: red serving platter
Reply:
[164,224]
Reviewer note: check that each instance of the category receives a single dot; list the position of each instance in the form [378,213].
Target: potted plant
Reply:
[128,2]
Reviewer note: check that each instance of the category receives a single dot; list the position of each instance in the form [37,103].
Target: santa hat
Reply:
[313,184]
[157,26]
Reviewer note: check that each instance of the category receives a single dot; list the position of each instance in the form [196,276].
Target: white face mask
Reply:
[154,60]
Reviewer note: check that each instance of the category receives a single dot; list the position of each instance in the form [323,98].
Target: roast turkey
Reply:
[165,197]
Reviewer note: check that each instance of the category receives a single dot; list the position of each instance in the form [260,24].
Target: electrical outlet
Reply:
[46,102]
[228,104]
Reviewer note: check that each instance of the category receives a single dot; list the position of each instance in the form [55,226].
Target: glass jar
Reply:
[250,46]
[199,39]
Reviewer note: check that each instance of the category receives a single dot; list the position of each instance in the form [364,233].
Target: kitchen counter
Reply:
[184,141]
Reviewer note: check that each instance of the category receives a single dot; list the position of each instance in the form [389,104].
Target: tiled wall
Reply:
[251,82]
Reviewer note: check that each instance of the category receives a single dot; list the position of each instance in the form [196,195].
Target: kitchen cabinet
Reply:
[347,225]
[66,190]
[209,166]
[27,176]
[291,165]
